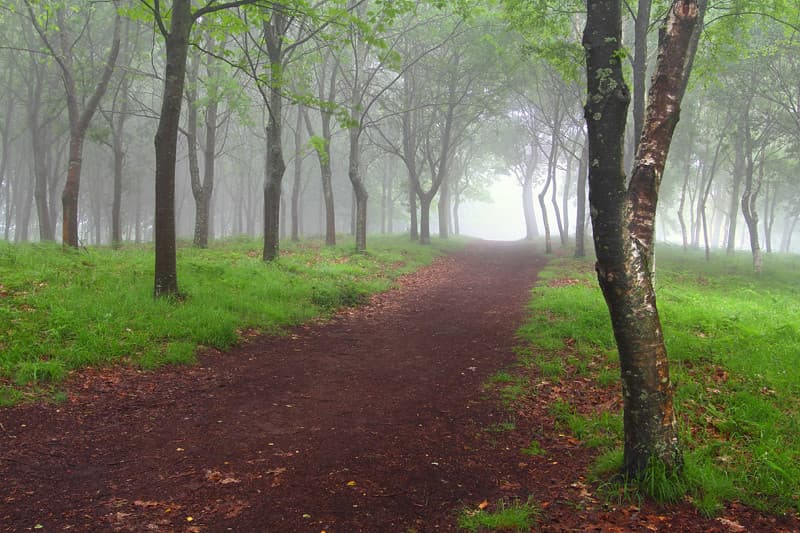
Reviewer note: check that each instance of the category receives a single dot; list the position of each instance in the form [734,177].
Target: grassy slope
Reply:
[61,310]
[734,343]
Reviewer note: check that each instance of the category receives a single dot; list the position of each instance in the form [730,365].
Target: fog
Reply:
[416,127]
[500,218]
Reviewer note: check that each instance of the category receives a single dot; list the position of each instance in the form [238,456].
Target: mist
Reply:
[444,134]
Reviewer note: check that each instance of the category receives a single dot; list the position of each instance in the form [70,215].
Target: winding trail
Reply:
[372,421]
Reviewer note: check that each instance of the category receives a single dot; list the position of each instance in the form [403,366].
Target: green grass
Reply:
[65,309]
[734,343]
[534,448]
[511,388]
[514,516]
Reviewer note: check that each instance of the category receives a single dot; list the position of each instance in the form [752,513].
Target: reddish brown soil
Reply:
[376,420]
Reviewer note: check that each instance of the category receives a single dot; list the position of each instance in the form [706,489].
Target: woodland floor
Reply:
[375,420]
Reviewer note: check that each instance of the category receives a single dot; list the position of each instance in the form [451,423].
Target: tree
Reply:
[181,19]
[623,216]
[80,116]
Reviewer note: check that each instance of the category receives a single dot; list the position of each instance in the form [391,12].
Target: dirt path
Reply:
[374,421]
[370,421]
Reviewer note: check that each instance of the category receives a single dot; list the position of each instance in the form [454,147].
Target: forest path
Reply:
[370,421]
[375,420]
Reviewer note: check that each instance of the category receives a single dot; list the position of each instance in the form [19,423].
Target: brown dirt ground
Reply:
[375,420]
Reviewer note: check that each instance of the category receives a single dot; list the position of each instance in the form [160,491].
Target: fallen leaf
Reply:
[145,503]
[351,483]
[733,526]
[483,505]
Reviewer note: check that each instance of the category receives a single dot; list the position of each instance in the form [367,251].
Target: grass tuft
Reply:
[506,516]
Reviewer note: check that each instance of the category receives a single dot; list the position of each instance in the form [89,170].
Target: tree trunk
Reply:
[681,219]
[565,199]
[21,232]
[272,184]
[456,204]
[298,174]
[166,141]
[531,231]
[580,219]
[623,218]
[789,232]
[203,192]
[359,190]
[750,195]
[425,218]
[118,149]
[40,188]
[275,33]
[548,244]
[412,211]
[770,205]
[738,177]
[444,208]
[326,174]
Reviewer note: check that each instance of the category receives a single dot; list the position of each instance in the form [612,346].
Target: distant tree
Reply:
[80,109]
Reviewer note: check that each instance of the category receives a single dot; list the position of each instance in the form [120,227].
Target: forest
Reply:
[265,200]
[356,117]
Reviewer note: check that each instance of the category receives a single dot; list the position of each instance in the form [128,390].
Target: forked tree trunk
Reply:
[623,217]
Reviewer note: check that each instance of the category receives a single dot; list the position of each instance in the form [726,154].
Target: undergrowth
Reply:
[733,339]
[63,309]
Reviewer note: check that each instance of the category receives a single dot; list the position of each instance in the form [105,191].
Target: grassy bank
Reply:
[734,345]
[65,309]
